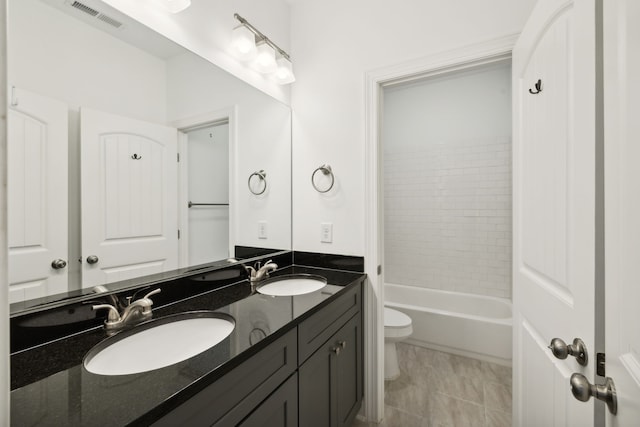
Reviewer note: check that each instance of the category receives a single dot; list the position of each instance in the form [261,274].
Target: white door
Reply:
[622,205]
[554,209]
[129,198]
[208,191]
[37,196]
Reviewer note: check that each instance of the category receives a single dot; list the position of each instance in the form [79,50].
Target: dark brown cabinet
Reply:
[330,381]
[278,410]
[227,401]
[311,376]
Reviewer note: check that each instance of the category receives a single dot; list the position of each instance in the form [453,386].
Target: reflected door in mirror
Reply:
[129,194]
[207,150]
[37,196]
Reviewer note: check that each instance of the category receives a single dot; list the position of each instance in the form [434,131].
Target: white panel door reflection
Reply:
[37,196]
[129,198]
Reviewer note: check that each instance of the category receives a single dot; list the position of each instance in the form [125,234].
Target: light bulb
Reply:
[284,73]
[243,43]
[265,61]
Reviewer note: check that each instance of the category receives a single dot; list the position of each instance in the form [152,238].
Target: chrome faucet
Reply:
[256,274]
[136,312]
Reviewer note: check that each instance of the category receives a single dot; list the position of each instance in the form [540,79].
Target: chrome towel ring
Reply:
[262,176]
[326,170]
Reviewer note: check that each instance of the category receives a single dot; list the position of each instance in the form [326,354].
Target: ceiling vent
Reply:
[84,8]
[95,13]
[109,20]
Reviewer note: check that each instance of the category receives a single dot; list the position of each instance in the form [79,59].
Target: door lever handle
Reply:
[561,350]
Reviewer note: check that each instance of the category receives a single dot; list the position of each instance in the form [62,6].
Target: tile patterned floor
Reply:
[437,389]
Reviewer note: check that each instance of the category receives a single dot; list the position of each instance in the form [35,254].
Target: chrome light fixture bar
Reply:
[261,51]
[261,37]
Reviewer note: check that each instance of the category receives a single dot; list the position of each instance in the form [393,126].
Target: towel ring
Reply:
[326,170]
[257,334]
[262,176]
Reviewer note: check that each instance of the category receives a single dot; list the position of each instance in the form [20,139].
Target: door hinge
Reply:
[600,364]
[178,156]
[178,234]
[379,270]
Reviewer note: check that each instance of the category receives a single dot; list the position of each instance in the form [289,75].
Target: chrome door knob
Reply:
[582,390]
[578,350]
[57,264]
[92,259]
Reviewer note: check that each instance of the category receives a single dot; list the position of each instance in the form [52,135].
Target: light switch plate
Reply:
[326,232]
[262,229]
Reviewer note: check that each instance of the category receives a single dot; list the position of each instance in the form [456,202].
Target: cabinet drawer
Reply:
[249,384]
[279,410]
[318,328]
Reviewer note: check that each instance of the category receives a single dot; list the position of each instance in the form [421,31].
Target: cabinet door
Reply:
[348,371]
[314,388]
[330,381]
[278,410]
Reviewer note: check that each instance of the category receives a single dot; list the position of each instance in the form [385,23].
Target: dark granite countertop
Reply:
[71,396]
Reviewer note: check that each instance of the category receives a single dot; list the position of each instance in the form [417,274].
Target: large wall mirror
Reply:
[130,156]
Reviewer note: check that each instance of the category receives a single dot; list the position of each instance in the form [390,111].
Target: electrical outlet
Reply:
[326,232]
[262,229]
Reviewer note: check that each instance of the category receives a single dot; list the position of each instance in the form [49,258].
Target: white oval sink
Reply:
[159,343]
[297,284]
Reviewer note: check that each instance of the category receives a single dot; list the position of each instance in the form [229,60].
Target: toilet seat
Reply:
[395,319]
[396,324]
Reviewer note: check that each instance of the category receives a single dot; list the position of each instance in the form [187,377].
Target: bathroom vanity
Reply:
[290,360]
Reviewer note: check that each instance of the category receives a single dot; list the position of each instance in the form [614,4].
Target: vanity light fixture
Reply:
[265,61]
[250,45]
[243,43]
[284,73]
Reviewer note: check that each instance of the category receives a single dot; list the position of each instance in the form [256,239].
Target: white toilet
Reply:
[397,327]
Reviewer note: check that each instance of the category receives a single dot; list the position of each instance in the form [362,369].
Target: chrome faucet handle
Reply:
[113,299]
[154,292]
[113,315]
[269,266]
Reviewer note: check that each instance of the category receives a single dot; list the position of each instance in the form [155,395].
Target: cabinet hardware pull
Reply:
[343,344]
[336,350]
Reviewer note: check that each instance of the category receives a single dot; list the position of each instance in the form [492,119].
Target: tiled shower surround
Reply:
[448,215]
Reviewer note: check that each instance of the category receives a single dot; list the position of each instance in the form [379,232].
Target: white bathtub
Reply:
[465,324]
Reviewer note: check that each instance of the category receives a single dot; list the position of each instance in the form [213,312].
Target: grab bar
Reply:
[207,204]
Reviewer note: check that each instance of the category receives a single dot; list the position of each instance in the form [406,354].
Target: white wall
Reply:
[334,44]
[205,29]
[56,55]
[447,182]
[263,132]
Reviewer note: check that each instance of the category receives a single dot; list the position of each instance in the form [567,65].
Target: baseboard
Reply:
[458,352]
